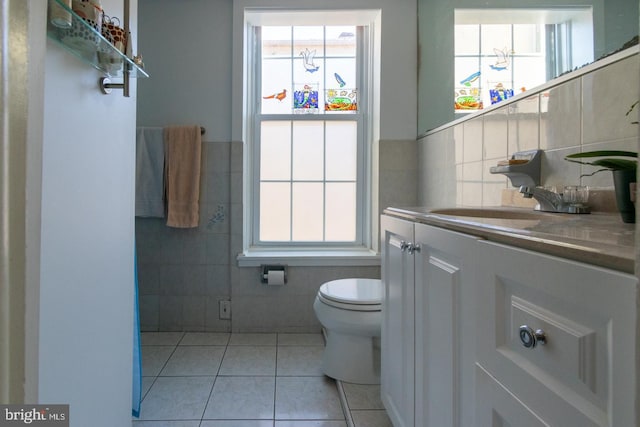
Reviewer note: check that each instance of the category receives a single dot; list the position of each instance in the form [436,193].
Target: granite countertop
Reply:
[598,238]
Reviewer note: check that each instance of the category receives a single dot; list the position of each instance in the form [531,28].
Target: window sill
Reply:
[256,257]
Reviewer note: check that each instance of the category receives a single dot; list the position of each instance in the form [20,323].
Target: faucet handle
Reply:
[527,193]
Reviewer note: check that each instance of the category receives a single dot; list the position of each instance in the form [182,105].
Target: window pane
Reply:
[308,151]
[340,214]
[275,150]
[307,212]
[276,86]
[341,41]
[495,37]
[527,39]
[341,154]
[345,68]
[275,211]
[467,39]
[276,42]
[529,72]
[308,42]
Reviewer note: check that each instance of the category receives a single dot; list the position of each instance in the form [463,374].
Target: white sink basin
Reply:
[496,213]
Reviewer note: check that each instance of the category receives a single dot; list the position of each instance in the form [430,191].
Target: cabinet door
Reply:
[397,359]
[444,332]
[585,372]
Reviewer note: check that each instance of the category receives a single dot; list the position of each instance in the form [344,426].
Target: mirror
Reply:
[477,60]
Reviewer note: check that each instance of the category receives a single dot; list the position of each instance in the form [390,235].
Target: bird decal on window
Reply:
[307,56]
[279,96]
[502,59]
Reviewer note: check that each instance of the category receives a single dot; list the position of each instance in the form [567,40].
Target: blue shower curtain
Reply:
[136,396]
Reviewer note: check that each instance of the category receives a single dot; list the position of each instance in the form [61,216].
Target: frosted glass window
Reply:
[308,151]
[341,212]
[322,200]
[310,157]
[341,142]
[275,151]
[275,211]
[308,212]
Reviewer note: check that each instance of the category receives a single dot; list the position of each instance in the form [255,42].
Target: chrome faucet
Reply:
[550,201]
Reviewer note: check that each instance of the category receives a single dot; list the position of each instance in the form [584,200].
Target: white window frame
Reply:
[358,252]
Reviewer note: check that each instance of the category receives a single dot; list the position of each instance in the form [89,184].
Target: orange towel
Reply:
[183,149]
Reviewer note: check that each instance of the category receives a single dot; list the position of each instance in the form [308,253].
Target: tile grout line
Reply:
[215,379]
[164,365]
[275,380]
[345,405]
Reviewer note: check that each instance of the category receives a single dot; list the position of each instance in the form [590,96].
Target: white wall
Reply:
[86,239]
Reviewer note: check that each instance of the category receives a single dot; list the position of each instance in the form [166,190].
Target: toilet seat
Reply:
[352,294]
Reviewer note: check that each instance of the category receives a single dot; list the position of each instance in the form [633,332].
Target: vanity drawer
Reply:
[581,369]
[497,406]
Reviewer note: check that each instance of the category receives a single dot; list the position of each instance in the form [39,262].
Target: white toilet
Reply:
[349,311]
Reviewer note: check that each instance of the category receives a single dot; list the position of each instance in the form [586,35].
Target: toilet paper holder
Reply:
[264,277]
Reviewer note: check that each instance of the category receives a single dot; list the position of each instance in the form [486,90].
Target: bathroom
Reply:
[71,213]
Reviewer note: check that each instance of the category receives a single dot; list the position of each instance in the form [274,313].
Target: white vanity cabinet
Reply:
[581,372]
[427,338]
[458,311]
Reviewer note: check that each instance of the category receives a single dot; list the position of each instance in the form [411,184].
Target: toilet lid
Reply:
[353,291]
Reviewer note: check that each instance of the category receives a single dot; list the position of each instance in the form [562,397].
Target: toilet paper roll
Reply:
[275,277]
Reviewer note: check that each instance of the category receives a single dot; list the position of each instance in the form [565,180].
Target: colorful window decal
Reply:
[502,59]
[468,98]
[308,57]
[305,99]
[341,100]
[279,96]
[308,70]
[499,93]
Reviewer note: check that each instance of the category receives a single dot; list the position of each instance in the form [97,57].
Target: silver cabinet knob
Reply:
[531,338]
[404,245]
[413,248]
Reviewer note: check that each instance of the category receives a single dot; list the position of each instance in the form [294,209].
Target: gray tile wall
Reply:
[289,308]
[183,273]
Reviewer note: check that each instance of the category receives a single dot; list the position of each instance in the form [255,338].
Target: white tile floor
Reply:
[247,380]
